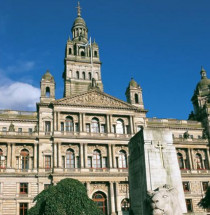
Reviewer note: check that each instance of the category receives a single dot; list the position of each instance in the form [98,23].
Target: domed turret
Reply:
[47,88]
[134,94]
[204,83]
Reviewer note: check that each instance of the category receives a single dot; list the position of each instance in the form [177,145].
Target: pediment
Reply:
[94,98]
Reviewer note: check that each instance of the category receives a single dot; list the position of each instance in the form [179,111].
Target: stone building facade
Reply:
[85,136]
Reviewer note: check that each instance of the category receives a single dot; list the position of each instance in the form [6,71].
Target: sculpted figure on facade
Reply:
[164,201]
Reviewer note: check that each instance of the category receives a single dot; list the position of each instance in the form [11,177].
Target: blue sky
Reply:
[161,44]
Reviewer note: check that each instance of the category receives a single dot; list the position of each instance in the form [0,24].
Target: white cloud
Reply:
[18,96]
[20,66]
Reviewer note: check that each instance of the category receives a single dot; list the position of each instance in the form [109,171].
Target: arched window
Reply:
[69,124]
[83,75]
[96,159]
[180,160]
[70,52]
[77,74]
[198,161]
[24,159]
[47,93]
[70,159]
[95,54]
[89,76]
[120,127]
[95,125]
[125,206]
[122,160]
[82,53]
[101,201]
[136,98]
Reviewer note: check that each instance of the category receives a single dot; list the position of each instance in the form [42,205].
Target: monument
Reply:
[154,175]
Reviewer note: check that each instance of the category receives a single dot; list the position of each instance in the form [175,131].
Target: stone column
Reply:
[117,199]
[81,156]
[107,124]
[193,164]
[208,157]
[83,122]
[110,156]
[59,155]
[85,155]
[58,122]
[35,155]
[110,123]
[113,156]
[131,125]
[8,155]
[40,157]
[54,121]
[111,186]
[55,161]
[13,156]
[80,123]
[190,159]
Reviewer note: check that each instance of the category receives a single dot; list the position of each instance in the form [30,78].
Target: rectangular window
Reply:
[205,186]
[47,126]
[46,186]
[17,162]
[47,162]
[189,205]
[186,186]
[127,129]
[19,130]
[23,188]
[199,137]
[62,126]
[89,162]
[102,128]
[63,162]
[77,127]
[180,136]
[30,130]
[104,162]
[191,136]
[4,129]
[23,208]
[87,128]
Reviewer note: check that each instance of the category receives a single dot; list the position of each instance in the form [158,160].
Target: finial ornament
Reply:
[203,73]
[78,9]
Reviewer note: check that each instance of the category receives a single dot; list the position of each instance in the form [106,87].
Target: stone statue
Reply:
[11,127]
[164,201]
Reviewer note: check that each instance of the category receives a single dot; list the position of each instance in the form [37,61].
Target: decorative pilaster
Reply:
[190,159]
[191,154]
[55,161]
[83,122]
[113,156]
[117,199]
[131,124]
[85,155]
[35,156]
[8,155]
[208,157]
[81,155]
[110,123]
[111,186]
[59,155]
[107,124]
[110,156]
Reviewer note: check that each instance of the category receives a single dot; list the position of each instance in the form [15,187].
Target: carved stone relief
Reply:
[102,149]
[183,152]
[64,148]
[118,148]
[123,188]
[4,149]
[95,187]
[19,148]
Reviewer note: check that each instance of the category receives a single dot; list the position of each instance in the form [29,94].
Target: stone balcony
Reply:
[17,134]
[195,171]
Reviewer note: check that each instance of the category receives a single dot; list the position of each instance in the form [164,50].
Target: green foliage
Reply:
[68,197]
[205,202]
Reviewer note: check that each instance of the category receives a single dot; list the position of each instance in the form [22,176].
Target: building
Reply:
[85,136]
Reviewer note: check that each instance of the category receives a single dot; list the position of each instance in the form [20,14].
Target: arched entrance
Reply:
[100,199]
[125,206]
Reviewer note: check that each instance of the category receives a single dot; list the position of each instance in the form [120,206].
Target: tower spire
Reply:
[78,9]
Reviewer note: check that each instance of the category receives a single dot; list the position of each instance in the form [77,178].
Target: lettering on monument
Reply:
[160,147]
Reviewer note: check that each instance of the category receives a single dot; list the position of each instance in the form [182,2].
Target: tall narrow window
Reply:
[47,162]
[186,186]
[24,159]
[122,159]
[23,208]
[2,160]
[89,76]
[47,92]
[125,206]
[104,162]
[82,53]
[70,52]
[97,76]
[205,186]
[96,159]
[95,125]
[83,75]
[90,162]
[69,124]
[87,128]
[120,127]
[62,126]
[77,74]
[136,98]
[180,160]
[95,54]
[70,159]
[189,205]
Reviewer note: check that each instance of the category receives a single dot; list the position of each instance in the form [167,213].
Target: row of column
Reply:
[82,122]
[83,155]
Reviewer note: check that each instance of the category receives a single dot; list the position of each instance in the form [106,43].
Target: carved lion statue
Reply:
[164,201]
